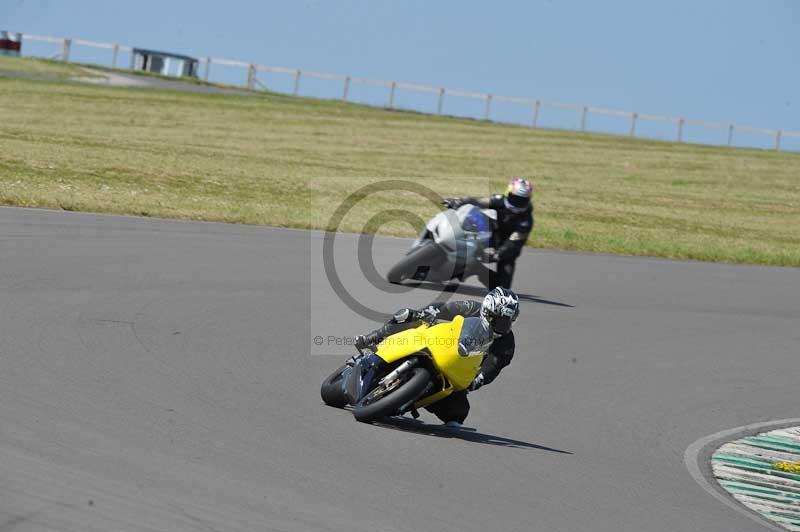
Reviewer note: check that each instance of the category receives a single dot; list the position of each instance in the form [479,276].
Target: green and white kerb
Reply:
[763,473]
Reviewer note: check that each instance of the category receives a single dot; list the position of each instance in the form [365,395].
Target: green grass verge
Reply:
[282,161]
[35,68]
[154,75]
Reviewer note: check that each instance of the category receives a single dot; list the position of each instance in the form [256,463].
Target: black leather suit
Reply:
[510,237]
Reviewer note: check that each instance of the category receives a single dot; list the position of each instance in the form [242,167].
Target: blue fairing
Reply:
[476,222]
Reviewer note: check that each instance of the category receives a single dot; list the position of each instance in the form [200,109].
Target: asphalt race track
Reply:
[159,375]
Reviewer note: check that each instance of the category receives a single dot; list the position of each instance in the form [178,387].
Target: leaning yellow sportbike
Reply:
[409,370]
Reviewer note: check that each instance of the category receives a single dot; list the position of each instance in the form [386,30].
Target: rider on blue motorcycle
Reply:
[514,225]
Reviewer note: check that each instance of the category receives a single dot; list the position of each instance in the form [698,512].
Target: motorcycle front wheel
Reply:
[428,254]
[332,390]
[374,406]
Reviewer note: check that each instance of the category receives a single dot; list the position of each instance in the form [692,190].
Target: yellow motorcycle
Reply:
[409,370]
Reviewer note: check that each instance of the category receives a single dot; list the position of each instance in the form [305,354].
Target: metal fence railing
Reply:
[529,111]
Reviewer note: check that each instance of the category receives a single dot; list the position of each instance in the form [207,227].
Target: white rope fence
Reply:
[535,106]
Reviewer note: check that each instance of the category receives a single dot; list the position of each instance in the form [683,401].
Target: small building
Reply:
[10,43]
[164,63]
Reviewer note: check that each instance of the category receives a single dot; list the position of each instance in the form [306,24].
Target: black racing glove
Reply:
[428,314]
[452,203]
[364,341]
[488,255]
[477,383]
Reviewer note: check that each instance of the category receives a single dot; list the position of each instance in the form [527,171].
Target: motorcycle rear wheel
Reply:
[332,391]
[389,405]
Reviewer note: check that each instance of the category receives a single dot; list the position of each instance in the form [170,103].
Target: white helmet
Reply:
[518,195]
[500,309]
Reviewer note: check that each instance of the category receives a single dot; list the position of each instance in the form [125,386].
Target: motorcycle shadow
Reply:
[479,291]
[468,435]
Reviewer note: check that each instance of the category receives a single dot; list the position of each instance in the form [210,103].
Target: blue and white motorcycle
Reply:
[449,247]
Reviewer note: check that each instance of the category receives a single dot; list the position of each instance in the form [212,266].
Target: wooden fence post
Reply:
[390,100]
[114,56]
[487,103]
[440,103]
[346,88]
[296,82]
[584,109]
[778,135]
[632,132]
[208,68]
[730,135]
[535,115]
[251,77]
[680,129]
[65,47]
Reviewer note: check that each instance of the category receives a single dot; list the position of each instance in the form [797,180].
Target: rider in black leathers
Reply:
[455,407]
[514,225]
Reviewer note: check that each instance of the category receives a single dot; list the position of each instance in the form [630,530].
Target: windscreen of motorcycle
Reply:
[475,338]
[475,222]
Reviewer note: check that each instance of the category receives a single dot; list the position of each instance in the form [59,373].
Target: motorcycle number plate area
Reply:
[421,273]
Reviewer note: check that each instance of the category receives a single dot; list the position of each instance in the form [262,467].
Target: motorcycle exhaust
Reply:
[361,377]
[405,366]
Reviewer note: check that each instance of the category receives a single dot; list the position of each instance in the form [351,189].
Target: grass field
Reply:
[45,69]
[283,161]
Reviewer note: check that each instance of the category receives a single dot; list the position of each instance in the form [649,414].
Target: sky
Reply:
[727,61]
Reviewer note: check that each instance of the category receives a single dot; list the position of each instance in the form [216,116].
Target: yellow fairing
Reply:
[441,341]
